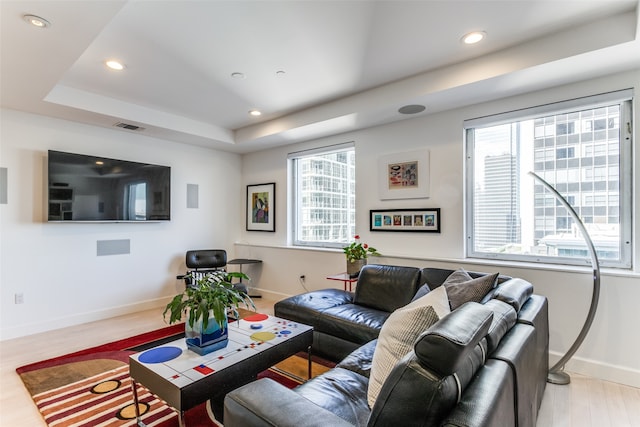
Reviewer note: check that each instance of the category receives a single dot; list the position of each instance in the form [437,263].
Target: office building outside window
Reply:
[323,189]
[583,149]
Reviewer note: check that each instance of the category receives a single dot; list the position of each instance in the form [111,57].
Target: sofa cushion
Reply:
[340,391]
[504,318]
[305,307]
[360,359]
[386,287]
[266,403]
[351,322]
[514,292]
[330,347]
[445,346]
[413,396]
[400,332]
[462,288]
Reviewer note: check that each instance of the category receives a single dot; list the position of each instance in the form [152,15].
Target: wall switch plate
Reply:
[19,298]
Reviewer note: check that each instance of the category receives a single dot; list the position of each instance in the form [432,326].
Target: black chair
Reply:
[204,261]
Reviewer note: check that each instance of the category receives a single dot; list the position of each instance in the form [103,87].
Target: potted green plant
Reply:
[357,253]
[206,303]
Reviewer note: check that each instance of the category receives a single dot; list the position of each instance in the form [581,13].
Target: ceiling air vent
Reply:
[128,126]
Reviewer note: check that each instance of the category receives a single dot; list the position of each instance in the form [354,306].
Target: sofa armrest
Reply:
[267,403]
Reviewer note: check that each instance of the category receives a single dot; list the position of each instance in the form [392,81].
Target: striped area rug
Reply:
[102,400]
[92,388]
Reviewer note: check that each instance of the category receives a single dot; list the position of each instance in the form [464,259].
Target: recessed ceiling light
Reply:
[411,109]
[237,75]
[255,113]
[99,162]
[280,73]
[37,21]
[115,65]
[473,37]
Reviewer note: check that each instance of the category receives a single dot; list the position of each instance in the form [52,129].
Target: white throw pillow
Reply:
[399,333]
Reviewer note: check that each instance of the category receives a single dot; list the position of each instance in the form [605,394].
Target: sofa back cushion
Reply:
[386,287]
[504,318]
[444,347]
[514,292]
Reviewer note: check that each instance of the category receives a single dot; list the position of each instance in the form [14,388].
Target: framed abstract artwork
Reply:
[261,203]
[420,220]
[404,175]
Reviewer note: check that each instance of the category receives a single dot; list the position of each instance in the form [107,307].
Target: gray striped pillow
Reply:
[461,287]
[400,332]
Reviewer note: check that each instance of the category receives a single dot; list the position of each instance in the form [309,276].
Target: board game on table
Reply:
[185,379]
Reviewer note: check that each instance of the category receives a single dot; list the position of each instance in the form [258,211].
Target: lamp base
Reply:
[560,378]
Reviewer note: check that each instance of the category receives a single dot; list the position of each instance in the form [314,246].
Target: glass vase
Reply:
[204,341]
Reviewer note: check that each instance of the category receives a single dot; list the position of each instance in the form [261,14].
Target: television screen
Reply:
[92,188]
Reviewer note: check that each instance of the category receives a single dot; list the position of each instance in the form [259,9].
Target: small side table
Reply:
[345,278]
[243,261]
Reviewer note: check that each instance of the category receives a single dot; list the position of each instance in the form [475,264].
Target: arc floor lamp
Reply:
[556,374]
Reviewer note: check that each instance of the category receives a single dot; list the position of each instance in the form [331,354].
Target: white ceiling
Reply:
[348,64]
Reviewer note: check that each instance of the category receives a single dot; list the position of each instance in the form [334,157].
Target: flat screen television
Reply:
[98,189]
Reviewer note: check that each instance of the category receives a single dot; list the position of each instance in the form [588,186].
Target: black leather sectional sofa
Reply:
[484,364]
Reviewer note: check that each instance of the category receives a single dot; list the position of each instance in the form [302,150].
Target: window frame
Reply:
[625,99]
[294,211]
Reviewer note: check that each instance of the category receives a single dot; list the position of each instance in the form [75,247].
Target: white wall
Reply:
[612,347]
[65,283]
[55,265]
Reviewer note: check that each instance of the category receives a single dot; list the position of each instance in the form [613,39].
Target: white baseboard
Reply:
[267,294]
[80,318]
[596,369]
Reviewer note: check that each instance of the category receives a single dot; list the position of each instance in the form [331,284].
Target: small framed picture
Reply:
[261,203]
[404,175]
[420,220]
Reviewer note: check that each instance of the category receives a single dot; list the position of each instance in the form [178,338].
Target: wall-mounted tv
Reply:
[98,189]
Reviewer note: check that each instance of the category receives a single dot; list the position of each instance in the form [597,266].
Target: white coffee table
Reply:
[184,379]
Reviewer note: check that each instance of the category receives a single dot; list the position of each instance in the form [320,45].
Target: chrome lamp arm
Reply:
[556,374]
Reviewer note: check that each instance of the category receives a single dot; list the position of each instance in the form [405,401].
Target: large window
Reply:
[136,201]
[323,189]
[583,149]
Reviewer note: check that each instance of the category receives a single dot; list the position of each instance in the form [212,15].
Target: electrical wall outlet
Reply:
[19,298]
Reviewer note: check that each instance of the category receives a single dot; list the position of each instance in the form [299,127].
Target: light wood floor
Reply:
[586,402]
